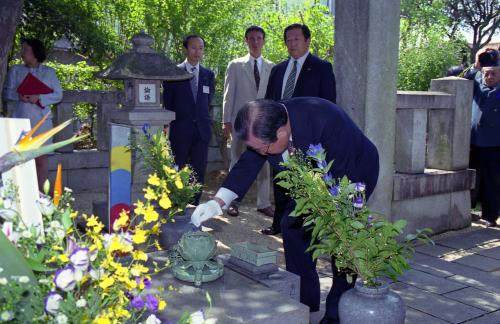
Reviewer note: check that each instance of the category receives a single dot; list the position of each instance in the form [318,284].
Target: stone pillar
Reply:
[448,136]
[366,59]
[64,111]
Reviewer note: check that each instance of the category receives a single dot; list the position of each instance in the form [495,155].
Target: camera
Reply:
[489,58]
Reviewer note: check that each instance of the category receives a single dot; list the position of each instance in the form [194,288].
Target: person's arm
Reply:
[10,86]
[211,86]
[327,86]
[53,82]
[271,83]
[229,98]
[168,95]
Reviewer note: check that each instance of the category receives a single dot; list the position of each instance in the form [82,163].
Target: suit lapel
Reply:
[304,71]
[281,76]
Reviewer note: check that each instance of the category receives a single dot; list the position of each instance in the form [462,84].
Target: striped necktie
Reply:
[290,82]
[256,74]
[194,83]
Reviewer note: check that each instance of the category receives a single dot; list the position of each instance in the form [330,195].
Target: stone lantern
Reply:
[143,70]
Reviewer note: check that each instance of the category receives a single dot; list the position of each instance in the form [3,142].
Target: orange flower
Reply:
[58,185]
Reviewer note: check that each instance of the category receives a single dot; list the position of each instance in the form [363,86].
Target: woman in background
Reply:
[34,107]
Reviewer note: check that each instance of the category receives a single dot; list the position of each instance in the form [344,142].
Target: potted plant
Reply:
[363,242]
[169,189]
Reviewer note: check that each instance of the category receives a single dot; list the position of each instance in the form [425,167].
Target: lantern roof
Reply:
[142,62]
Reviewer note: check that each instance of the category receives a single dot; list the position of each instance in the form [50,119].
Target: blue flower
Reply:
[315,150]
[322,164]
[358,202]
[359,186]
[334,191]
[151,302]
[145,129]
[137,303]
[328,177]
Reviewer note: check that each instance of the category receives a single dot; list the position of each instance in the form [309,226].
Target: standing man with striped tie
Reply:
[301,75]
[190,100]
[246,80]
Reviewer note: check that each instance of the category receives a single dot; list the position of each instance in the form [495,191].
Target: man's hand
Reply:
[477,64]
[228,129]
[205,211]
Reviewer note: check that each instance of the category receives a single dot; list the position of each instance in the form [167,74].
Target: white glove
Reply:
[205,211]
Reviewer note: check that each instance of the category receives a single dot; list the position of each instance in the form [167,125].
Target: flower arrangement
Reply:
[171,187]
[362,241]
[76,276]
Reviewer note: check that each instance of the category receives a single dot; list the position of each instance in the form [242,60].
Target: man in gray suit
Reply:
[246,80]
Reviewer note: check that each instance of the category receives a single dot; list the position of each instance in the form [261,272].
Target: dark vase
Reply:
[171,232]
[371,305]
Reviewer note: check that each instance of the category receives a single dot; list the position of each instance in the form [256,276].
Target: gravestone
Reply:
[23,176]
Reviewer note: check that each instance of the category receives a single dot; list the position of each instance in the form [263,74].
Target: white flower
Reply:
[8,230]
[6,316]
[45,205]
[64,279]
[56,230]
[44,281]
[8,214]
[80,259]
[66,189]
[3,281]
[152,319]
[23,279]
[1,269]
[81,303]
[197,317]
[52,302]
[97,274]
[61,319]
[26,234]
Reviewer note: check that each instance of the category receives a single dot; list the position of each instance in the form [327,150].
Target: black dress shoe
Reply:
[491,224]
[232,210]
[269,231]
[326,320]
[268,211]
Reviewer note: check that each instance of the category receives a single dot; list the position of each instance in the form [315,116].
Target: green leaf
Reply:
[284,184]
[66,219]
[357,225]
[12,262]
[37,266]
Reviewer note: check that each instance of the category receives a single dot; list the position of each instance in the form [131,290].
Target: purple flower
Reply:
[52,302]
[64,279]
[80,259]
[358,202]
[151,302]
[145,129]
[315,150]
[328,177]
[147,283]
[359,186]
[322,164]
[137,303]
[369,220]
[71,245]
[334,191]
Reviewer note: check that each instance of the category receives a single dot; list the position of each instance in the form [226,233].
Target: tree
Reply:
[9,14]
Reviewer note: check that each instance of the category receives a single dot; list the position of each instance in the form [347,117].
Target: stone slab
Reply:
[493,252]
[414,316]
[246,268]
[491,318]
[409,156]
[235,299]
[477,298]
[429,282]
[431,182]
[471,239]
[425,100]
[438,306]
[479,262]
[434,250]
[439,267]
[481,280]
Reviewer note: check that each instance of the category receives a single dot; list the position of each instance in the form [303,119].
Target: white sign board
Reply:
[24,175]
[147,93]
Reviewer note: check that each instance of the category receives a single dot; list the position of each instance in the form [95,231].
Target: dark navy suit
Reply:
[191,130]
[313,121]
[316,79]
[485,146]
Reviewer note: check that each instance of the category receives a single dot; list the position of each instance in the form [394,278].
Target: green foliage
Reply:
[425,55]
[341,225]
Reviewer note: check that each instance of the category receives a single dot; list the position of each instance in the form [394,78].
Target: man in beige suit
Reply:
[246,80]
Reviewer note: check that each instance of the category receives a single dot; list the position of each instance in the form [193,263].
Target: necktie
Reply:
[256,74]
[290,82]
[194,83]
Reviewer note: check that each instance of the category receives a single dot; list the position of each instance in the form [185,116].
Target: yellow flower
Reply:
[139,255]
[162,304]
[178,183]
[122,221]
[165,202]
[154,180]
[150,214]
[140,236]
[138,269]
[73,214]
[52,259]
[139,208]
[121,312]
[150,194]
[169,170]
[57,248]
[157,245]
[102,320]
[92,221]
[155,229]
[63,258]
[106,282]
[98,228]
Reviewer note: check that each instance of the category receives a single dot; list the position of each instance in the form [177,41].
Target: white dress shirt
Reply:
[300,63]
[196,72]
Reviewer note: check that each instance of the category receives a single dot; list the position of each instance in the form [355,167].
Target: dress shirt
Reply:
[300,63]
